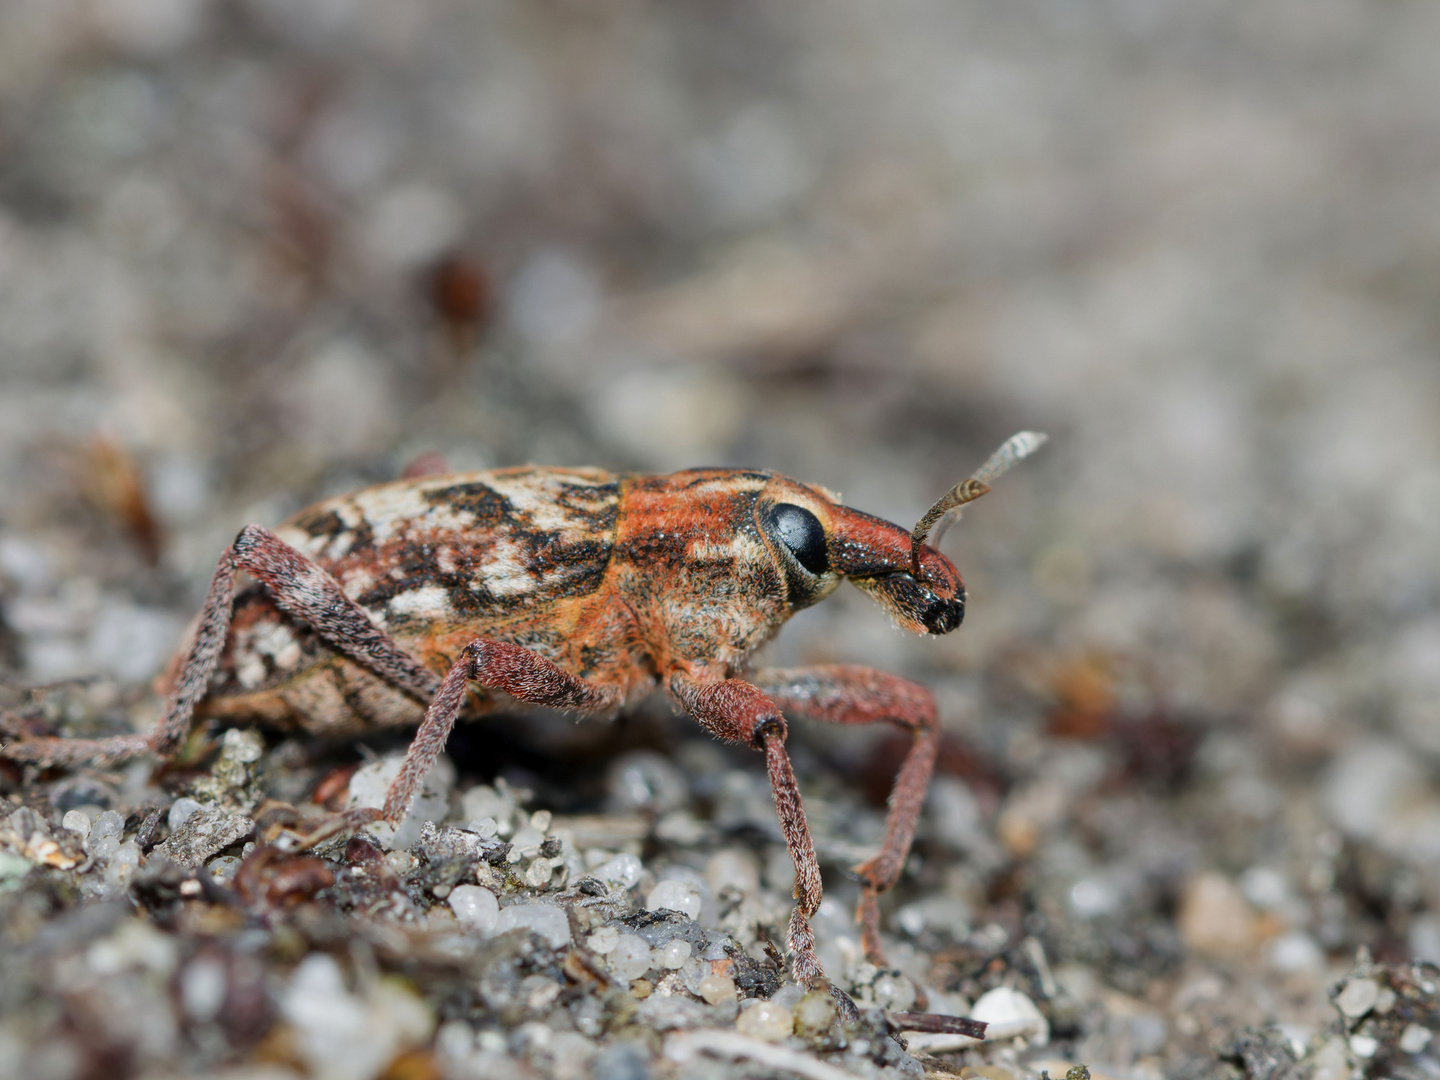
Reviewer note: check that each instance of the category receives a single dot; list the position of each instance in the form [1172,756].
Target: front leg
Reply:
[845,694]
[740,712]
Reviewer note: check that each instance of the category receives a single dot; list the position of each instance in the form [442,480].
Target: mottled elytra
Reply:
[410,603]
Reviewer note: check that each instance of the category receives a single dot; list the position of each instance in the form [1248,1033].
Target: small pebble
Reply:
[691,972]
[675,895]
[1364,1046]
[1358,998]
[911,919]
[717,988]
[571,1052]
[673,954]
[107,824]
[401,862]
[475,907]
[492,1042]
[1214,918]
[766,1021]
[1331,1061]
[623,871]
[134,944]
[202,988]
[243,745]
[1414,1038]
[894,991]
[103,848]
[370,785]
[631,956]
[735,869]
[1013,1015]
[622,1061]
[485,828]
[181,811]
[483,801]
[1296,951]
[788,995]
[76,821]
[814,1014]
[539,993]
[544,920]
[1265,887]
[645,780]
[455,1039]
[604,940]
[205,833]
[537,874]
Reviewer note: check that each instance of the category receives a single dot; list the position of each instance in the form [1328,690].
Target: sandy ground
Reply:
[254,253]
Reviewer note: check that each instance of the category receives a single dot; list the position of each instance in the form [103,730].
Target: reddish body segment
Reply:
[409,603]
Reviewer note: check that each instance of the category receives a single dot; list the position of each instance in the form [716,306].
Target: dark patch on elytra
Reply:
[315,524]
[487,506]
[329,524]
[599,502]
[567,569]
[546,553]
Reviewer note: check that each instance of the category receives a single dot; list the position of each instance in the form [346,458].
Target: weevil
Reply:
[410,603]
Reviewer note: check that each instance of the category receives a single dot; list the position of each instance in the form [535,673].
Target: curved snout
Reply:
[923,594]
[918,605]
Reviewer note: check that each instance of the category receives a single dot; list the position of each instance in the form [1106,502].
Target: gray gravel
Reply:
[255,253]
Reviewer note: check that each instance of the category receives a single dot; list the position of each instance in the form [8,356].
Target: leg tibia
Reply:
[498,665]
[843,694]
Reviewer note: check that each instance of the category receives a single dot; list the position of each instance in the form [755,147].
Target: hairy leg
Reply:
[301,588]
[497,665]
[845,694]
[740,712]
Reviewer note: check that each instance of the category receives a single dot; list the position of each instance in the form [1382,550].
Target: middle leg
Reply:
[847,694]
[497,665]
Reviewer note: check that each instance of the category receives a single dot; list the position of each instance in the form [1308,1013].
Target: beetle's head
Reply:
[817,541]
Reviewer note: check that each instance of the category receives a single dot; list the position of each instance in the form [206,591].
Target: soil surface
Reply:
[1187,817]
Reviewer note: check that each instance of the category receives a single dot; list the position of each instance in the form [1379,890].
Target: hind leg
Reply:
[301,588]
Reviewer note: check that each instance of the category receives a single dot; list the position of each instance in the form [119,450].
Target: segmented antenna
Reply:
[1012,451]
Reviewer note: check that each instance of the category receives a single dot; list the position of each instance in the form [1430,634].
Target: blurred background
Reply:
[256,252]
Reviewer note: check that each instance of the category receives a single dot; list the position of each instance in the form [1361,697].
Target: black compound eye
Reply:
[800,531]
